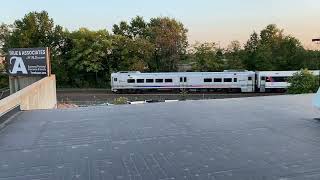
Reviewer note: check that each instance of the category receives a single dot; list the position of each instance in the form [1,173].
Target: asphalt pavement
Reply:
[258,138]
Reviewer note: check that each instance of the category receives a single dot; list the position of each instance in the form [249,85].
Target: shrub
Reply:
[120,100]
[4,81]
[183,94]
[303,82]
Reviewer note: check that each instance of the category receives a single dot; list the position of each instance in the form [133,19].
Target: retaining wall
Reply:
[39,95]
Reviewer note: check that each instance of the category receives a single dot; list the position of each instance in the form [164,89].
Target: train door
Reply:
[243,83]
[262,84]
[114,82]
[183,82]
[250,84]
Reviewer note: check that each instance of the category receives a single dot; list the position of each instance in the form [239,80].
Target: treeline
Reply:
[85,58]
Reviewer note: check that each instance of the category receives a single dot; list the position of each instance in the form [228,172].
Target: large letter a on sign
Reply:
[18,65]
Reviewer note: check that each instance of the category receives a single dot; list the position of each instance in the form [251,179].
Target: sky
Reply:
[220,21]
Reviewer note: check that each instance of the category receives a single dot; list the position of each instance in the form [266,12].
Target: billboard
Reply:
[28,62]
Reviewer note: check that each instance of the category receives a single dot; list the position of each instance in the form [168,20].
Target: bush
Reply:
[183,94]
[303,82]
[120,100]
[4,81]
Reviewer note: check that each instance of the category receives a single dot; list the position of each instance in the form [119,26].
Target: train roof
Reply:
[183,73]
[283,73]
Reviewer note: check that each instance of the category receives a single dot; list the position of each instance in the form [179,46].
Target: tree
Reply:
[303,82]
[5,31]
[137,28]
[311,59]
[271,35]
[264,58]
[130,54]
[250,49]
[89,54]
[291,54]
[35,30]
[233,56]
[206,58]
[122,29]
[273,50]
[170,39]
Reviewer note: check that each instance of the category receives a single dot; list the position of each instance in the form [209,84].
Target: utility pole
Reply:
[317,41]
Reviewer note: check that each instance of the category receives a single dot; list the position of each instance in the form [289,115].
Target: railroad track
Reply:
[86,97]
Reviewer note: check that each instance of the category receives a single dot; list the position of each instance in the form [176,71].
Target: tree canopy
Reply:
[273,50]
[85,58]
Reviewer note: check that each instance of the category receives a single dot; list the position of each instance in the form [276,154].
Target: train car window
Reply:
[140,80]
[159,80]
[277,79]
[249,78]
[217,80]
[235,79]
[227,80]
[149,80]
[282,79]
[168,80]
[207,80]
[181,80]
[115,79]
[268,79]
[185,79]
[131,80]
[263,78]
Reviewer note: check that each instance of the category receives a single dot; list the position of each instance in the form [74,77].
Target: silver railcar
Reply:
[268,81]
[191,81]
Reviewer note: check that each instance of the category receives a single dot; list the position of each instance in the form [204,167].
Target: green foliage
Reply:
[4,36]
[170,39]
[90,50]
[86,58]
[183,94]
[131,54]
[137,28]
[4,81]
[35,30]
[206,56]
[233,56]
[89,55]
[274,51]
[120,100]
[303,82]
[164,38]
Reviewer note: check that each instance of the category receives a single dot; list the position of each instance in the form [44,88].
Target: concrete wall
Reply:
[39,95]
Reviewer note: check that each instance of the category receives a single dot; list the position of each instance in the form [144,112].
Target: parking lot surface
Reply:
[241,139]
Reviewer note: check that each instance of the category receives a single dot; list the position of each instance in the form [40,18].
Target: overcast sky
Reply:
[218,21]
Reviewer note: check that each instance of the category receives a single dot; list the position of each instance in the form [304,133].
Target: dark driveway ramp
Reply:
[241,139]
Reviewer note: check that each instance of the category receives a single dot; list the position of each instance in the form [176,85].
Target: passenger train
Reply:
[227,81]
